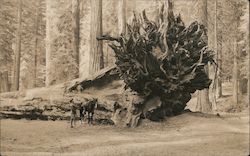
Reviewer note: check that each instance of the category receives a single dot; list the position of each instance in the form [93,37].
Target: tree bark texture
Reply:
[76,31]
[96,50]
[122,11]
[36,44]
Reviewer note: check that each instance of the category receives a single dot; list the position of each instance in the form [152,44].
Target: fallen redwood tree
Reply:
[162,62]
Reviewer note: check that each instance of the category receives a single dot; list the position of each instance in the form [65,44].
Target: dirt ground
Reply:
[189,134]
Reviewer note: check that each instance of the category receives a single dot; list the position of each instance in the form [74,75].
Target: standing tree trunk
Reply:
[235,72]
[96,51]
[249,60]
[203,103]
[18,46]
[122,11]
[36,44]
[76,31]
[4,82]
[235,64]
[48,40]
[218,52]
[248,49]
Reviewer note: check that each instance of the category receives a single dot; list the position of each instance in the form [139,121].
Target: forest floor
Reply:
[189,134]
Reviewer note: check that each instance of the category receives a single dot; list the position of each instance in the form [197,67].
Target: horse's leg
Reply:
[92,114]
[89,119]
[72,120]
[81,117]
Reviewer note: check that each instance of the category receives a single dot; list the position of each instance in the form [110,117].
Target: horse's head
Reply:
[95,101]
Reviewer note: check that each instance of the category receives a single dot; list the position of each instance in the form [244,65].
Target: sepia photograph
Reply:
[124,78]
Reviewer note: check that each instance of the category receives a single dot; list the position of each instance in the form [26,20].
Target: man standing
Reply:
[73,113]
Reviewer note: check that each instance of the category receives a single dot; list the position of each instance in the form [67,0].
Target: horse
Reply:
[89,108]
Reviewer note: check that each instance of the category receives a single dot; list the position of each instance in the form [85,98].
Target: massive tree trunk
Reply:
[235,63]
[36,44]
[203,103]
[96,50]
[76,31]
[122,11]
[85,26]
[218,52]
[18,46]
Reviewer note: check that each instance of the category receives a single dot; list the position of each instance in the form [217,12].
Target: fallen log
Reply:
[163,60]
